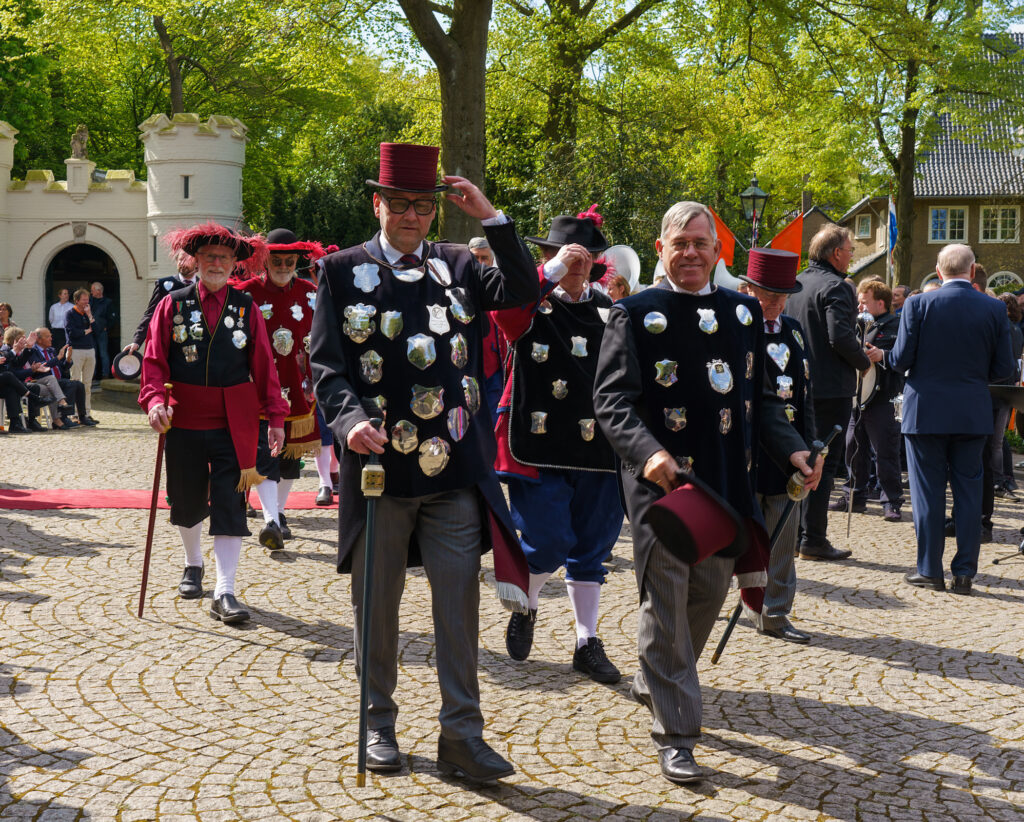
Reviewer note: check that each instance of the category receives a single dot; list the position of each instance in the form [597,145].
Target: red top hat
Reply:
[773,270]
[408,167]
[694,522]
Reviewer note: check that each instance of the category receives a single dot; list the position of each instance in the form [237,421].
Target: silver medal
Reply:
[283,342]
[434,456]
[579,346]
[359,324]
[666,370]
[366,277]
[427,401]
[471,391]
[587,427]
[458,422]
[404,437]
[238,338]
[371,365]
[538,422]
[675,419]
[720,376]
[410,275]
[799,338]
[440,273]
[708,321]
[437,319]
[743,314]
[779,352]
[544,307]
[655,322]
[179,333]
[267,310]
[421,351]
[785,387]
[539,352]
[296,312]
[391,324]
[229,322]
[725,420]
[178,319]
[461,307]
[196,316]
[750,365]
[460,351]
[560,389]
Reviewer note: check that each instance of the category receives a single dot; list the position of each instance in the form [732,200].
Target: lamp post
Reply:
[753,199]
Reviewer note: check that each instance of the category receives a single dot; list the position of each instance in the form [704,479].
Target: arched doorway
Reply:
[78,266]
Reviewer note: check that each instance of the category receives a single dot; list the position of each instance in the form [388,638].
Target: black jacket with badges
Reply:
[883,335]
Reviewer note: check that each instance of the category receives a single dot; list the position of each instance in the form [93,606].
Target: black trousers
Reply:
[875,427]
[814,518]
[202,473]
[274,469]
[74,393]
[12,390]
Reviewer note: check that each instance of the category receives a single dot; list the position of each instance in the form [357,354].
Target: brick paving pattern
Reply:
[907,704]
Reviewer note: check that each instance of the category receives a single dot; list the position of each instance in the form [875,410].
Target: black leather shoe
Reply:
[89,421]
[823,553]
[519,634]
[843,504]
[950,528]
[961,585]
[191,585]
[919,581]
[590,659]
[986,533]
[382,754]
[325,496]
[250,512]
[286,532]
[271,537]
[471,759]
[33,425]
[17,428]
[228,609]
[679,766]
[786,632]
[336,481]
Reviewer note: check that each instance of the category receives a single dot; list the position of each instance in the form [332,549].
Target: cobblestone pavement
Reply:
[906,706]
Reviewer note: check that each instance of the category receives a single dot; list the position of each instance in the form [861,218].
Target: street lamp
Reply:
[753,199]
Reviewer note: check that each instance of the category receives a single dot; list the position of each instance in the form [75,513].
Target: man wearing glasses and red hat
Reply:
[397,335]
[209,341]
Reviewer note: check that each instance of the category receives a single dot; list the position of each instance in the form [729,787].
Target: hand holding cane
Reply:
[152,504]
[372,484]
[796,490]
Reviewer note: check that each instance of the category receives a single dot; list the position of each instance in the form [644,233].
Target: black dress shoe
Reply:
[89,421]
[271,537]
[961,585]
[228,609]
[843,504]
[679,766]
[250,512]
[382,754]
[191,585]
[786,632]
[33,425]
[590,659]
[519,634]
[286,532]
[919,581]
[823,553]
[986,533]
[336,481]
[471,759]
[949,529]
[325,496]
[17,428]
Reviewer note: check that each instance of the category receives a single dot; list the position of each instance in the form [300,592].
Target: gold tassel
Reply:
[302,427]
[297,450]
[249,477]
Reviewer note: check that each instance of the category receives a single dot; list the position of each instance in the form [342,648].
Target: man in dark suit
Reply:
[398,330]
[953,342]
[827,310]
[681,386]
[103,318]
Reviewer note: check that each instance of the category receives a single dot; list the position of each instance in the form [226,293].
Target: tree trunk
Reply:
[905,168]
[173,65]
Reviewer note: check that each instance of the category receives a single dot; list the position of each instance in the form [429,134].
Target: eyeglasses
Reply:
[216,258]
[700,246]
[400,205]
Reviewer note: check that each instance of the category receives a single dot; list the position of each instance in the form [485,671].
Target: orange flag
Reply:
[726,236]
[791,238]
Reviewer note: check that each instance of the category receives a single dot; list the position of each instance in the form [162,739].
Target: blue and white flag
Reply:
[892,224]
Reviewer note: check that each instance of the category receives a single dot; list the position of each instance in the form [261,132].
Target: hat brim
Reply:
[383,187]
[126,366]
[545,243]
[797,286]
[241,249]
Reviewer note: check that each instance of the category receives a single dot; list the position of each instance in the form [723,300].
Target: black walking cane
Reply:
[372,485]
[796,490]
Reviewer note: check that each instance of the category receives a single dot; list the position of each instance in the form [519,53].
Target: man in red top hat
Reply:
[286,304]
[397,334]
[209,341]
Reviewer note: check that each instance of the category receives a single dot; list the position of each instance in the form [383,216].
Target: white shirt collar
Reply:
[392,254]
[707,289]
[952,280]
[563,295]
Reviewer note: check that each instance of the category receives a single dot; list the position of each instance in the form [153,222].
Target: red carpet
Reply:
[25,499]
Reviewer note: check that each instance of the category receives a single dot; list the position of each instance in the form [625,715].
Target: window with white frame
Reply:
[947,225]
[863,226]
[1000,224]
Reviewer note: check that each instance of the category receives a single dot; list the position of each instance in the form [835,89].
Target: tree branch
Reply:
[621,24]
[429,32]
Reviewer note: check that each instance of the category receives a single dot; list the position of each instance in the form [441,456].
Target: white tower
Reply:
[194,175]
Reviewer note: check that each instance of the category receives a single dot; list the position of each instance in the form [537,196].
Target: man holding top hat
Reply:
[286,303]
[559,467]
[209,341]
[185,275]
[682,394]
[771,275]
[397,335]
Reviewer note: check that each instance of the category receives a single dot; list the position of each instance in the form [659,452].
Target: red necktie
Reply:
[409,261]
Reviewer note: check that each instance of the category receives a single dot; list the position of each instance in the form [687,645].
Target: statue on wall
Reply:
[79,143]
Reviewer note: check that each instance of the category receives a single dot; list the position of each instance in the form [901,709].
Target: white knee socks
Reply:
[190,541]
[267,492]
[226,550]
[536,583]
[585,598]
[323,465]
[284,487]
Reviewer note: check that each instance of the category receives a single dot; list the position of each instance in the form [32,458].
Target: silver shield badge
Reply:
[666,372]
[799,338]
[427,401]
[675,419]
[359,324]
[437,319]
[410,275]
[458,422]
[421,351]
[750,365]
[560,389]
[460,351]
[197,315]
[311,300]
[305,343]
[461,307]
[440,273]
[538,422]
[238,338]
[267,310]
[785,387]
[743,314]
[471,391]
[370,366]
[779,352]
[196,331]
[403,437]
[579,346]
[587,427]
[391,324]
[297,312]
[708,321]
[283,341]
[434,456]
[655,322]
[366,277]
[725,420]
[179,334]
[720,376]
[539,352]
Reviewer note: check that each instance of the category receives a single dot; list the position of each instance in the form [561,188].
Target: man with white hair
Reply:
[953,342]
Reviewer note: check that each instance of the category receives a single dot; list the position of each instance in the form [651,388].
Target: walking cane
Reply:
[372,484]
[152,504]
[796,490]
[864,322]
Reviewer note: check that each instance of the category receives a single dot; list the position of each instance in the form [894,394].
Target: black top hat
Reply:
[566,230]
[126,366]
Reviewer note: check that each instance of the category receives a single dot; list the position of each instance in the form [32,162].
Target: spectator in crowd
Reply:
[103,318]
[60,364]
[6,312]
[58,315]
[481,249]
[80,334]
[17,350]
[618,288]
[931,285]
[980,281]
[186,273]
[899,296]
[12,390]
